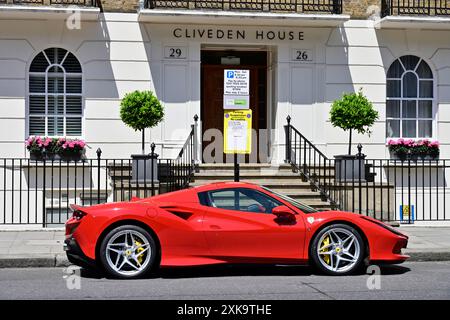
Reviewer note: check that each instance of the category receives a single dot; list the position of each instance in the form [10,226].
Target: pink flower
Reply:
[407,142]
[47,141]
[81,144]
[434,144]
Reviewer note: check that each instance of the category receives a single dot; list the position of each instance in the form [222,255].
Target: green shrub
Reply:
[353,112]
[140,110]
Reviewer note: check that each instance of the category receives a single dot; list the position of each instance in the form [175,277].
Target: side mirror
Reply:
[283,212]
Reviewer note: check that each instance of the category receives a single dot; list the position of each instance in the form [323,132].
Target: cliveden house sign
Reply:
[239,34]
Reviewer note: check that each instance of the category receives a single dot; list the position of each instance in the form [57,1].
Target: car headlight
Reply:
[385,226]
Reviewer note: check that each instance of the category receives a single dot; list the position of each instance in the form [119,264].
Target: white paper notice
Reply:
[237,135]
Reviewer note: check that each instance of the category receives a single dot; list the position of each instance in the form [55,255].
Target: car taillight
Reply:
[78,214]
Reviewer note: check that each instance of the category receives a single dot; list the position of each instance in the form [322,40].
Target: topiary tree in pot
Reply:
[140,110]
[353,112]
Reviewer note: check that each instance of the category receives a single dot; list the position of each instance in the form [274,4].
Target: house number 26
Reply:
[301,55]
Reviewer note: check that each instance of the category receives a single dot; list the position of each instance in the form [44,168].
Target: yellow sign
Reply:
[237,133]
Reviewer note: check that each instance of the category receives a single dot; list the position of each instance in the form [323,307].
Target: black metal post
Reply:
[152,156]
[236,168]
[359,157]
[288,139]
[409,187]
[44,213]
[99,154]
[143,141]
[196,145]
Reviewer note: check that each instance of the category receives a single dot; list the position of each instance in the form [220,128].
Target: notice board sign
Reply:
[237,131]
[236,82]
[236,102]
[407,213]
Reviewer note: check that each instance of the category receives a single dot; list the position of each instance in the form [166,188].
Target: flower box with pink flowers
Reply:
[423,149]
[46,148]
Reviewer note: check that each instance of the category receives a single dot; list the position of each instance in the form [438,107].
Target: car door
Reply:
[239,225]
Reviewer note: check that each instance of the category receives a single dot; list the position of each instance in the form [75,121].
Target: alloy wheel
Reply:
[128,252]
[338,250]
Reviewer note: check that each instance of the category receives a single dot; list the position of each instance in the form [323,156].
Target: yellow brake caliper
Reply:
[326,257]
[139,250]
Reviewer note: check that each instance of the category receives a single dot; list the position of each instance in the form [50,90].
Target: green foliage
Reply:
[353,112]
[140,110]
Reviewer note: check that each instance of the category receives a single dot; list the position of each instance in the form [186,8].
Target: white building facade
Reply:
[64,70]
[302,62]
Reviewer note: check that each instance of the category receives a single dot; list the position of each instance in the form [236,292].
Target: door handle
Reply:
[215,226]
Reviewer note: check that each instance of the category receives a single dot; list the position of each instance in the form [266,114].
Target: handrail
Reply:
[297,6]
[86,3]
[424,8]
[182,168]
[312,164]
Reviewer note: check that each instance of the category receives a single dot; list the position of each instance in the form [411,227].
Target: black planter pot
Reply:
[71,157]
[350,167]
[40,156]
[144,168]
[36,156]
[413,157]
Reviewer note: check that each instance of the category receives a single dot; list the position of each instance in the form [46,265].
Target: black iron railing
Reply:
[86,3]
[309,161]
[415,7]
[405,190]
[297,6]
[40,192]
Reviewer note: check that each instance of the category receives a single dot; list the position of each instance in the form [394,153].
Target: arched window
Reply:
[409,102]
[55,94]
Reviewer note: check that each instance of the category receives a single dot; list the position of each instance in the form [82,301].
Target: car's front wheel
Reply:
[338,249]
[128,252]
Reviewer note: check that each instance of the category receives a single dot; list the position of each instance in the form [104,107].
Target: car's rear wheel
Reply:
[128,252]
[338,250]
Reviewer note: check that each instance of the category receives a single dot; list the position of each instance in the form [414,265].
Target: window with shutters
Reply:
[55,101]
[409,99]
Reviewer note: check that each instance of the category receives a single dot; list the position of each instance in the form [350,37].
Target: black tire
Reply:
[152,260]
[320,263]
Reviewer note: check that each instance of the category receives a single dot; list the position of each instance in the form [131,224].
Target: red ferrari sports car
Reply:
[228,222]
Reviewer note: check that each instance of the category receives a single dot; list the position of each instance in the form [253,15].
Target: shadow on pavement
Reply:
[240,270]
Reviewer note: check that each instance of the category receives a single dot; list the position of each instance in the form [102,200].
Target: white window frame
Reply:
[46,94]
[417,99]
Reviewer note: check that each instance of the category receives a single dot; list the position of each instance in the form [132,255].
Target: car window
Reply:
[305,208]
[242,199]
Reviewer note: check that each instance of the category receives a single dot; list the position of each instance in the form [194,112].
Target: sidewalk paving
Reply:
[44,248]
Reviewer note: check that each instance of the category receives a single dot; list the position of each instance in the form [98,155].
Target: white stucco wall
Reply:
[119,54]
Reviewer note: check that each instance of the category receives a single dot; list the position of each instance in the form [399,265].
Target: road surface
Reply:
[411,280]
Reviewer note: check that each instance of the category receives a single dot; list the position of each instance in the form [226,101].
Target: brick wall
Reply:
[120,5]
[361,9]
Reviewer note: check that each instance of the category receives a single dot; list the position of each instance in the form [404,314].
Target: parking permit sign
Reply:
[237,131]
[236,82]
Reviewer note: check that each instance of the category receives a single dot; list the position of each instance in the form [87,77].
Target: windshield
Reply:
[295,203]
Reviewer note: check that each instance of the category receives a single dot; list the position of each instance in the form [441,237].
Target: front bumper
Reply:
[76,256]
[392,251]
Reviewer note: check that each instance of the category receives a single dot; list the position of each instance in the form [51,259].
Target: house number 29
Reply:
[175,52]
